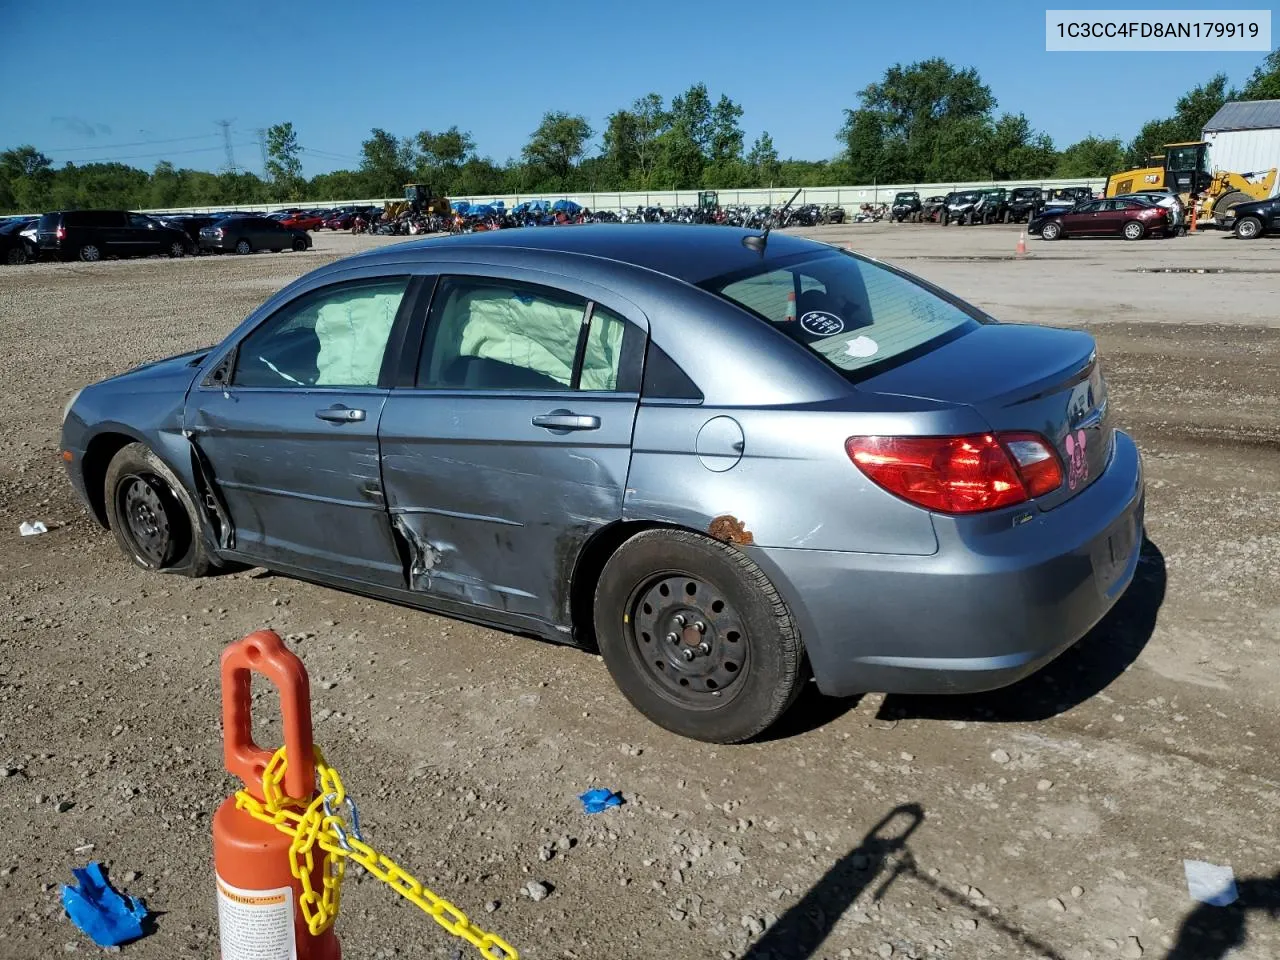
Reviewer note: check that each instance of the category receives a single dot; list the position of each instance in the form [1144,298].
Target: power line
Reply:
[226,140]
[135,143]
[262,143]
[162,154]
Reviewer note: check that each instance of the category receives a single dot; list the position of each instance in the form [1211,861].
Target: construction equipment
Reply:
[1184,169]
[418,199]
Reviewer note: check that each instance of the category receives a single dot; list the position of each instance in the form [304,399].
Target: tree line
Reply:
[923,122]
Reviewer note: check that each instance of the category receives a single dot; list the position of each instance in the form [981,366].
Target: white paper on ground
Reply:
[1210,883]
[31,529]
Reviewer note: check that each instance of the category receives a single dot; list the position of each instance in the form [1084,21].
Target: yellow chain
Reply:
[311,826]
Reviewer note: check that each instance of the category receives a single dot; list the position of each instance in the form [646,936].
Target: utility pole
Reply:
[226,140]
[262,145]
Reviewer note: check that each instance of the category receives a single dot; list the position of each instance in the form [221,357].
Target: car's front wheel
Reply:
[177,249]
[243,247]
[1248,228]
[16,256]
[1051,231]
[299,245]
[696,636]
[152,516]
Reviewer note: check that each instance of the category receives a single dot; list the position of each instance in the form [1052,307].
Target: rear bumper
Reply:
[984,611]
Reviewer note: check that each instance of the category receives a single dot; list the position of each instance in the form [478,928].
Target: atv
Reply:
[906,206]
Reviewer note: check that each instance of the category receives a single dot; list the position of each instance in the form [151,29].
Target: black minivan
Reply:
[94,234]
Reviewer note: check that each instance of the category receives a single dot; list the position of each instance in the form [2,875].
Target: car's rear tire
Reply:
[151,514]
[1248,228]
[299,245]
[736,663]
[243,247]
[16,256]
[1133,230]
[1050,231]
[89,253]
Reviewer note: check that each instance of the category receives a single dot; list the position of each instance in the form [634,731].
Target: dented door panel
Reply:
[492,509]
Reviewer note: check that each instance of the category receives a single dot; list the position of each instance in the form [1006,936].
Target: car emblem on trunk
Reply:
[1077,463]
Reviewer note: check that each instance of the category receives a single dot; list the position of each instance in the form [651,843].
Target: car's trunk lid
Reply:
[1021,378]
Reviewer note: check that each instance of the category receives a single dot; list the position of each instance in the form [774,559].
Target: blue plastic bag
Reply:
[594,801]
[108,917]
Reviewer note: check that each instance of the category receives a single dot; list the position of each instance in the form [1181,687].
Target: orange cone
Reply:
[1022,244]
[791,306]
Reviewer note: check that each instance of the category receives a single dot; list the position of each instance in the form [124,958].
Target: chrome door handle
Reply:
[340,414]
[564,420]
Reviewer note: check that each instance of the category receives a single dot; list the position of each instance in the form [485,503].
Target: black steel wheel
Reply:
[696,637]
[299,245]
[152,516]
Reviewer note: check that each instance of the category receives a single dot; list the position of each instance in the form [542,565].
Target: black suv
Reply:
[1025,203]
[906,206]
[993,207]
[94,234]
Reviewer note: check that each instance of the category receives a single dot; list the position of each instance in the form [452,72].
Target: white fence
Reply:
[848,197]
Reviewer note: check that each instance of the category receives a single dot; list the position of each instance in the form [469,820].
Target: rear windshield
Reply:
[854,313]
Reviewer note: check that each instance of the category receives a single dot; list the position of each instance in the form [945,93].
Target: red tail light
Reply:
[967,474]
[62,233]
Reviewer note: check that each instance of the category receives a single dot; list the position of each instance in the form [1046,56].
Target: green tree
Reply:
[1264,82]
[1015,151]
[387,163]
[284,162]
[441,157]
[763,161]
[726,134]
[1091,157]
[28,177]
[558,143]
[1190,114]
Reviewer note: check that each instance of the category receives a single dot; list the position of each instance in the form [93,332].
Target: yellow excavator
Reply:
[418,198]
[1184,168]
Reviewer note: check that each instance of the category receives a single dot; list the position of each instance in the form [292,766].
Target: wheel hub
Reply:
[689,638]
[147,520]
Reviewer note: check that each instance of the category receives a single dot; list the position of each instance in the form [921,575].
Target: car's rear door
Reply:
[287,426]
[511,443]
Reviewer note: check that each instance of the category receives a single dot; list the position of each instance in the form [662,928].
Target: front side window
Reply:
[139,222]
[489,334]
[853,313]
[335,337]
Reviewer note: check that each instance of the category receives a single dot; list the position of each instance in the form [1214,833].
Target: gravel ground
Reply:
[1050,819]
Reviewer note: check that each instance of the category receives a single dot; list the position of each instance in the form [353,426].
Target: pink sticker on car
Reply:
[1077,462]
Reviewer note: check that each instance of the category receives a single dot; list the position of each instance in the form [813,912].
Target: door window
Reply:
[138,222]
[334,337]
[502,335]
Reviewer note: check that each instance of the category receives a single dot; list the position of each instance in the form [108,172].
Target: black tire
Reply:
[151,514]
[1008,217]
[16,256]
[1248,228]
[943,219]
[90,253]
[1133,230]
[243,247]
[299,245]
[177,249]
[751,642]
[1051,231]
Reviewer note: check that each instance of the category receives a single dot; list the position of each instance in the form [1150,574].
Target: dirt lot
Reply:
[1054,817]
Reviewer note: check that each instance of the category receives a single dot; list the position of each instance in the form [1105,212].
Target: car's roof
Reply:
[687,252]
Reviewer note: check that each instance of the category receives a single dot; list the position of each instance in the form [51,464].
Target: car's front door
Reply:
[1082,220]
[513,443]
[143,237]
[288,429]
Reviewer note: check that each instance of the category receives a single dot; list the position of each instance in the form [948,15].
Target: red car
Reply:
[1131,219]
[303,221]
[340,221]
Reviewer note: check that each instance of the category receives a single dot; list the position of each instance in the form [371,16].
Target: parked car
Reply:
[1168,199]
[1131,219]
[250,234]
[960,207]
[16,249]
[1253,218]
[91,235]
[906,206]
[191,225]
[931,207]
[426,424]
[1025,203]
[303,221]
[341,220]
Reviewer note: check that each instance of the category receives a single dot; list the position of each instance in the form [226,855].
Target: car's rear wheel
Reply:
[1248,228]
[89,252]
[1133,230]
[177,249]
[696,636]
[1051,231]
[16,256]
[152,516]
[299,245]
[243,247]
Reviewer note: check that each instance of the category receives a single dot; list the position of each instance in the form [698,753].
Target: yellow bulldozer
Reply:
[418,198]
[1184,169]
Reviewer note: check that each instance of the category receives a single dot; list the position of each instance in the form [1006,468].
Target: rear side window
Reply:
[488,334]
[853,313]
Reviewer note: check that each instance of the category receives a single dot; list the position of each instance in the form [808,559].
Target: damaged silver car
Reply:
[730,462]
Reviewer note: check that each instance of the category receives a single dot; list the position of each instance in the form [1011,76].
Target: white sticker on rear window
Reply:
[861,347]
[821,324]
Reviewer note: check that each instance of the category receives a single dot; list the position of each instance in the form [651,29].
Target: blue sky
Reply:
[142,81]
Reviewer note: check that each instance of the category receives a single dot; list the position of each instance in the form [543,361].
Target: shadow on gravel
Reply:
[882,855]
[1212,933]
[1080,673]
